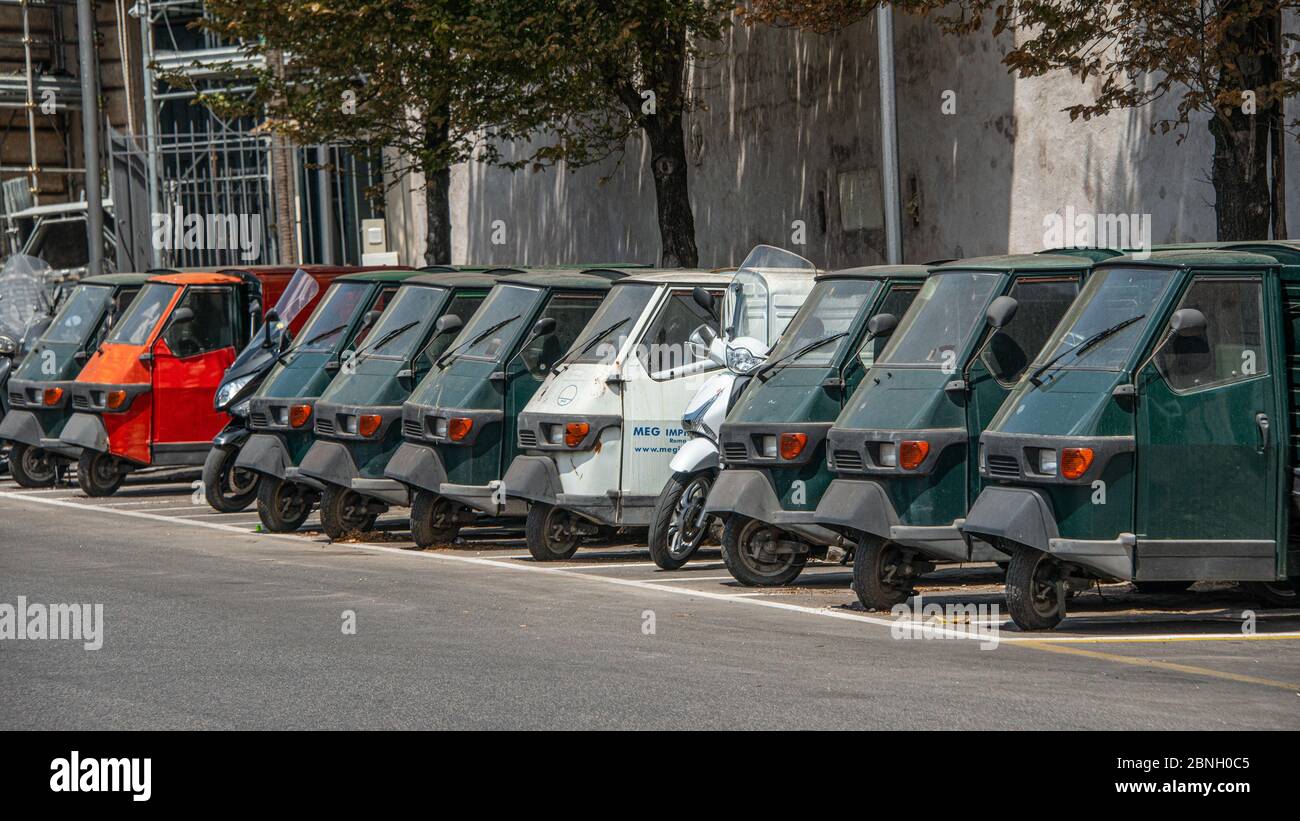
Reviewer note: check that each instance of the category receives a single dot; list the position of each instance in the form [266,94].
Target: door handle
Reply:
[1261,422]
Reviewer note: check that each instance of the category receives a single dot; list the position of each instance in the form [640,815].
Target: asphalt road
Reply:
[209,625]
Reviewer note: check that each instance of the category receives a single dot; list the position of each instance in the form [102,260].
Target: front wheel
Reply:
[32,467]
[880,576]
[550,532]
[228,489]
[748,552]
[1274,594]
[433,519]
[1036,590]
[344,513]
[282,506]
[98,473]
[678,525]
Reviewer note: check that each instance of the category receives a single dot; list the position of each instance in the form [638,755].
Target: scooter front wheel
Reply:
[879,577]
[98,473]
[550,533]
[343,513]
[282,506]
[747,552]
[679,524]
[1036,590]
[32,467]
[433,519]
[228,489]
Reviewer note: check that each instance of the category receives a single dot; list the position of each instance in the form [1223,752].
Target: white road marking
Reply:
[755,599]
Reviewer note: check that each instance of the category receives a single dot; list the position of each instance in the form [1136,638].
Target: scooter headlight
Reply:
[741,360]
[227,392]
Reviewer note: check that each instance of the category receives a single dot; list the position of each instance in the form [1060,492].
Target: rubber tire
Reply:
[539,544]
[270,500]
[19,454]
[1157,588]
[217,468]
[1019,592]
[1269,595]
[90,482]
[424,507]
[333,501]
[874,593]
[731,551]
[662,518]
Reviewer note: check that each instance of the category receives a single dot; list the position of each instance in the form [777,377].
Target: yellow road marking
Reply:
[1188,669]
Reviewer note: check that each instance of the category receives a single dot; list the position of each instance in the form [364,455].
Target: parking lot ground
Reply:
[1208,658]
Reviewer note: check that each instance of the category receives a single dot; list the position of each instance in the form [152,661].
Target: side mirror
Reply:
[882,325]
[272,316]
[183,314]
[718,351]
[446,324]
[707,334]
[1187,322]
[543,326]
[8,347]
[702,298]
[370,318]
[1001,312]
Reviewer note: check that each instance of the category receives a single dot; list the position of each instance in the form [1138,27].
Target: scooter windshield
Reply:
[1112,297]
[143,315]
[765,293]
[827,314]
[945,314]
[79,315]
[298,294]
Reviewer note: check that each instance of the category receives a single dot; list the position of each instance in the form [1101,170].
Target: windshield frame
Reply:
[484,319]
[138,305]
[1135,332]
[829,355]
[84,333]
[966,337]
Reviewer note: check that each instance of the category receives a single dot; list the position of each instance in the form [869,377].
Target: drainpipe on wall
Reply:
[90,136]
[889,136]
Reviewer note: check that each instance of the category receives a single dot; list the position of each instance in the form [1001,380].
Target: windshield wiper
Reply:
[447,355]
[317,338]
[777,364]
[385,339]
[1084,346]
[587,345]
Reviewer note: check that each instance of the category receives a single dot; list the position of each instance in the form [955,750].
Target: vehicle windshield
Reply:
[830,309]
[397,334]
[767,290]
[504,311]
[143,315]
[80,314]
[326,326]
[949,308]
[604,334]
[1111,296]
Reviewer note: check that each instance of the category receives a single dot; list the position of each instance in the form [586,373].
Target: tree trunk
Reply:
[1277,131]
[1241,140]
[437,202]
[672,194]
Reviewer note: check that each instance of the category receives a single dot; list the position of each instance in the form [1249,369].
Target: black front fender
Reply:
[330,462]
[534,478]
[1018,514]
[417,466]
[859,505]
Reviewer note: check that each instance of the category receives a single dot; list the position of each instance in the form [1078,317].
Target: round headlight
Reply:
[741,360]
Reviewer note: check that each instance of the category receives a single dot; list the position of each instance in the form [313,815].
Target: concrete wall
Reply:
[789,131]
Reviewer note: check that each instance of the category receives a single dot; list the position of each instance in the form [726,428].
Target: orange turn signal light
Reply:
[368,423]
[458,428]
[1075,462]
[115,399]
[299,415]
[792,444]
[912,453]
[575,432]
[52,396]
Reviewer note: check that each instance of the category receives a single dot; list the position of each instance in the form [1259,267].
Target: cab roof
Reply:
[459,279]
[116,279]
[877,272]
[379,276]
[196,278]
[1207,257]
[588,279]
[677,276]
[1018,262]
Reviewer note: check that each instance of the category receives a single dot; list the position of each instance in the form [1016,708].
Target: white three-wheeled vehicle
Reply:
[599,433]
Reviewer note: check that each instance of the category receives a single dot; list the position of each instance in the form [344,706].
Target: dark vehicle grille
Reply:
[325,426]
[1004,467]
[735,451]
[79,401]
[848,460]
[527,438]
[260,419]
[412,427]
[16,397]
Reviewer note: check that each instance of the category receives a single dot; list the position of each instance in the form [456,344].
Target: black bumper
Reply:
[86,430]
[417,466]
[749,493]
[331,463]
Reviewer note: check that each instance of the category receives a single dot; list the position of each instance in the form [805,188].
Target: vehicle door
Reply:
[190,357]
